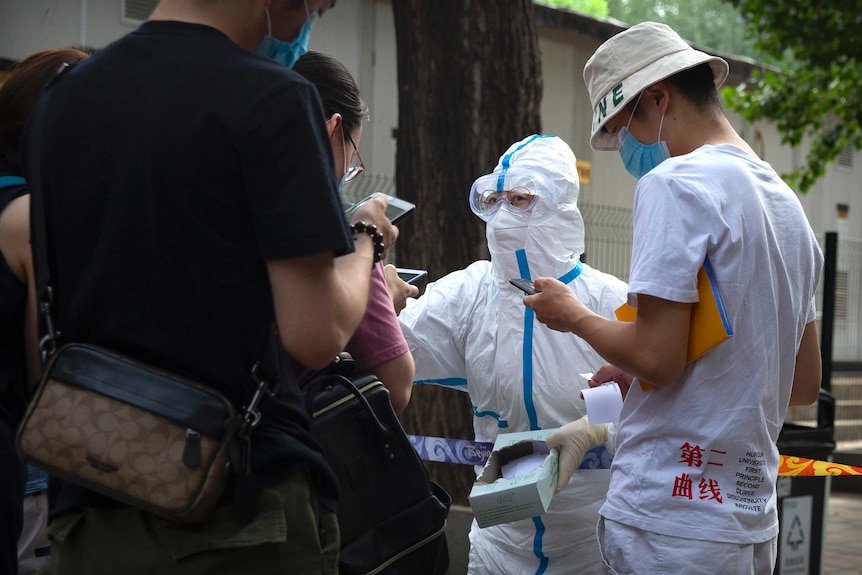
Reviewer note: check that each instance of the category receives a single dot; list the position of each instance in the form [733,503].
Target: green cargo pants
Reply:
[290,535]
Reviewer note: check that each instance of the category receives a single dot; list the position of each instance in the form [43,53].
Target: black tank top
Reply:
[13,303]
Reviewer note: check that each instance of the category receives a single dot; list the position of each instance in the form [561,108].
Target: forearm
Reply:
[31,337]
[634,351]
[808,372]
[652,348]
[319,302]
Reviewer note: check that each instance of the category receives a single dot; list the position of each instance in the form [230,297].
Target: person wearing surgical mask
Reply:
[203,179]
[287,52]
[470,331]
[703,199]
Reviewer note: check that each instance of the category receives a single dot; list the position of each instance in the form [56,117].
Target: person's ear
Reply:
[333,123]
[657,94]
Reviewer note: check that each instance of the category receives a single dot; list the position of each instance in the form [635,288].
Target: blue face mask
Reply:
[286,53]
[639,158]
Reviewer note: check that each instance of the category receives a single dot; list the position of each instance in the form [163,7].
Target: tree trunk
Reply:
[469,85]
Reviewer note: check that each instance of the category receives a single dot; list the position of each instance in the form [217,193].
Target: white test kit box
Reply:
[531,470]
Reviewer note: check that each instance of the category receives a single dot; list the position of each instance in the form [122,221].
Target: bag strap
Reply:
[38,215]
[327,378]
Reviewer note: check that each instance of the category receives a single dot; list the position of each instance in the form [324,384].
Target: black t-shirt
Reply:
[13,303]
[175,164]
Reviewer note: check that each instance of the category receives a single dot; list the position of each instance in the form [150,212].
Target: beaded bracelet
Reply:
[370,229]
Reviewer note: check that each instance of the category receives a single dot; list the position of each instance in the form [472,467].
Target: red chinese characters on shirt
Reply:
[708,489]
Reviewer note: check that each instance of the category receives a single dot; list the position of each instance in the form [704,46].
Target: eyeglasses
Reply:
[353,171]
[520,198]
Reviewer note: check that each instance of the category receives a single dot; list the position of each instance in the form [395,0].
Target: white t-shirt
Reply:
[697,458]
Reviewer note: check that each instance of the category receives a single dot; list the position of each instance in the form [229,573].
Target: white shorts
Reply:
[629,551]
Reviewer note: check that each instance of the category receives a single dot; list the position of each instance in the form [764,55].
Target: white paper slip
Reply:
[523,465]
[603,403]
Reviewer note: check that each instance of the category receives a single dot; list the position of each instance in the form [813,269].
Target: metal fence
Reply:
[368,184]
[608,238]
[847,330]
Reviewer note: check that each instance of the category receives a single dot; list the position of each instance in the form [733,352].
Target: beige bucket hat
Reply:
[631,61]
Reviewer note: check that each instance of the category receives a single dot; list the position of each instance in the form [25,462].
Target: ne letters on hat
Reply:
[631,61]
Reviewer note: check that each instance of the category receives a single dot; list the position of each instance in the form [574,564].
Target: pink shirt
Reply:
[378,337]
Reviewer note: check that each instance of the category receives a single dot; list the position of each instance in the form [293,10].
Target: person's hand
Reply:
[574,440]
[374,212]
[556,306]
[399,290]
[607,373]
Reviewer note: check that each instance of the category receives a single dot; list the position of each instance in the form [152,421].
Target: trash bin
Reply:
[802,500]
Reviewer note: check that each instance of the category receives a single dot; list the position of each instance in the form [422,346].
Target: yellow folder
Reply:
[709,322]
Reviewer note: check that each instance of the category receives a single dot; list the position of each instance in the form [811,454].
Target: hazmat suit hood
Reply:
[551,231]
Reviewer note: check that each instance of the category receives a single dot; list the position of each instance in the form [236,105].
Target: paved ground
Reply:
[842,546]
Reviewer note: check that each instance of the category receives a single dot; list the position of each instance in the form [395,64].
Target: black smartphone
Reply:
[412,276]
[396,211]
[524,285]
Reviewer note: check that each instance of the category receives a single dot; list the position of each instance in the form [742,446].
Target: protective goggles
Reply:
[493,190]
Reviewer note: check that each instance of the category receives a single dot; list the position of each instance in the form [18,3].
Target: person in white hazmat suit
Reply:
[471,331]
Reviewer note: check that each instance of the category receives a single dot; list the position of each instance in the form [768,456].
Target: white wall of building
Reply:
[361,34]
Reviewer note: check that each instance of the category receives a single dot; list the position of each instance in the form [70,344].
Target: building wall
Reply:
[361,34]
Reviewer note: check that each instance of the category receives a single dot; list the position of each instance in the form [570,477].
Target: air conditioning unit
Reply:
[135,12]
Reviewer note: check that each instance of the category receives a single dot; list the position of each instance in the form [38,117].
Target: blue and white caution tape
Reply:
[467,452]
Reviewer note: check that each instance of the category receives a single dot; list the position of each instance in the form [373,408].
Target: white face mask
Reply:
[506,231]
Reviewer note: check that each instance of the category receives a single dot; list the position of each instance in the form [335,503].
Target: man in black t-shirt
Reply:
[191,204]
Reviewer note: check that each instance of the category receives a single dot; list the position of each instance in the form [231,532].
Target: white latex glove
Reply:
[574,440]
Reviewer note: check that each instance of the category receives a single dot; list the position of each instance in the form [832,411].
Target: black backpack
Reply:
[391,516]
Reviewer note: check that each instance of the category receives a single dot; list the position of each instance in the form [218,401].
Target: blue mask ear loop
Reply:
[269,21]
[529,322]
[269,18]
[660,124]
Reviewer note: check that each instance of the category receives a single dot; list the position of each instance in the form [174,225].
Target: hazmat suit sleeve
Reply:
[436,325]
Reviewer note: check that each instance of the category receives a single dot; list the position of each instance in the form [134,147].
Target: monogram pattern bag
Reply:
[138,435]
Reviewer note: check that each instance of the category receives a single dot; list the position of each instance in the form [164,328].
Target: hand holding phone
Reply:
[524,285]
[412,276]
[397,209]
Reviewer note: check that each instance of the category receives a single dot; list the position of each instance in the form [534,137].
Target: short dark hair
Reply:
[697,85]
[336,86]
[20,91]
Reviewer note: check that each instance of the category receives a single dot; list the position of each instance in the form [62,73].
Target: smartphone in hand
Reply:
[412,276]
[524,285]
[396,211]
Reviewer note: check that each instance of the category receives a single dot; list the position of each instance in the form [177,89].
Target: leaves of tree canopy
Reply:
[709,23]
[594,8]
[816,89]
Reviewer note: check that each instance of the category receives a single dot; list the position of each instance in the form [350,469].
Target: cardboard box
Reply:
[497,500]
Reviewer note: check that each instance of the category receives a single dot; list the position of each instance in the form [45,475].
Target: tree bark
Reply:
[469,85]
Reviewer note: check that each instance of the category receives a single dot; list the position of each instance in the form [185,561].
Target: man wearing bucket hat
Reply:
[694,473]
[470,332]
